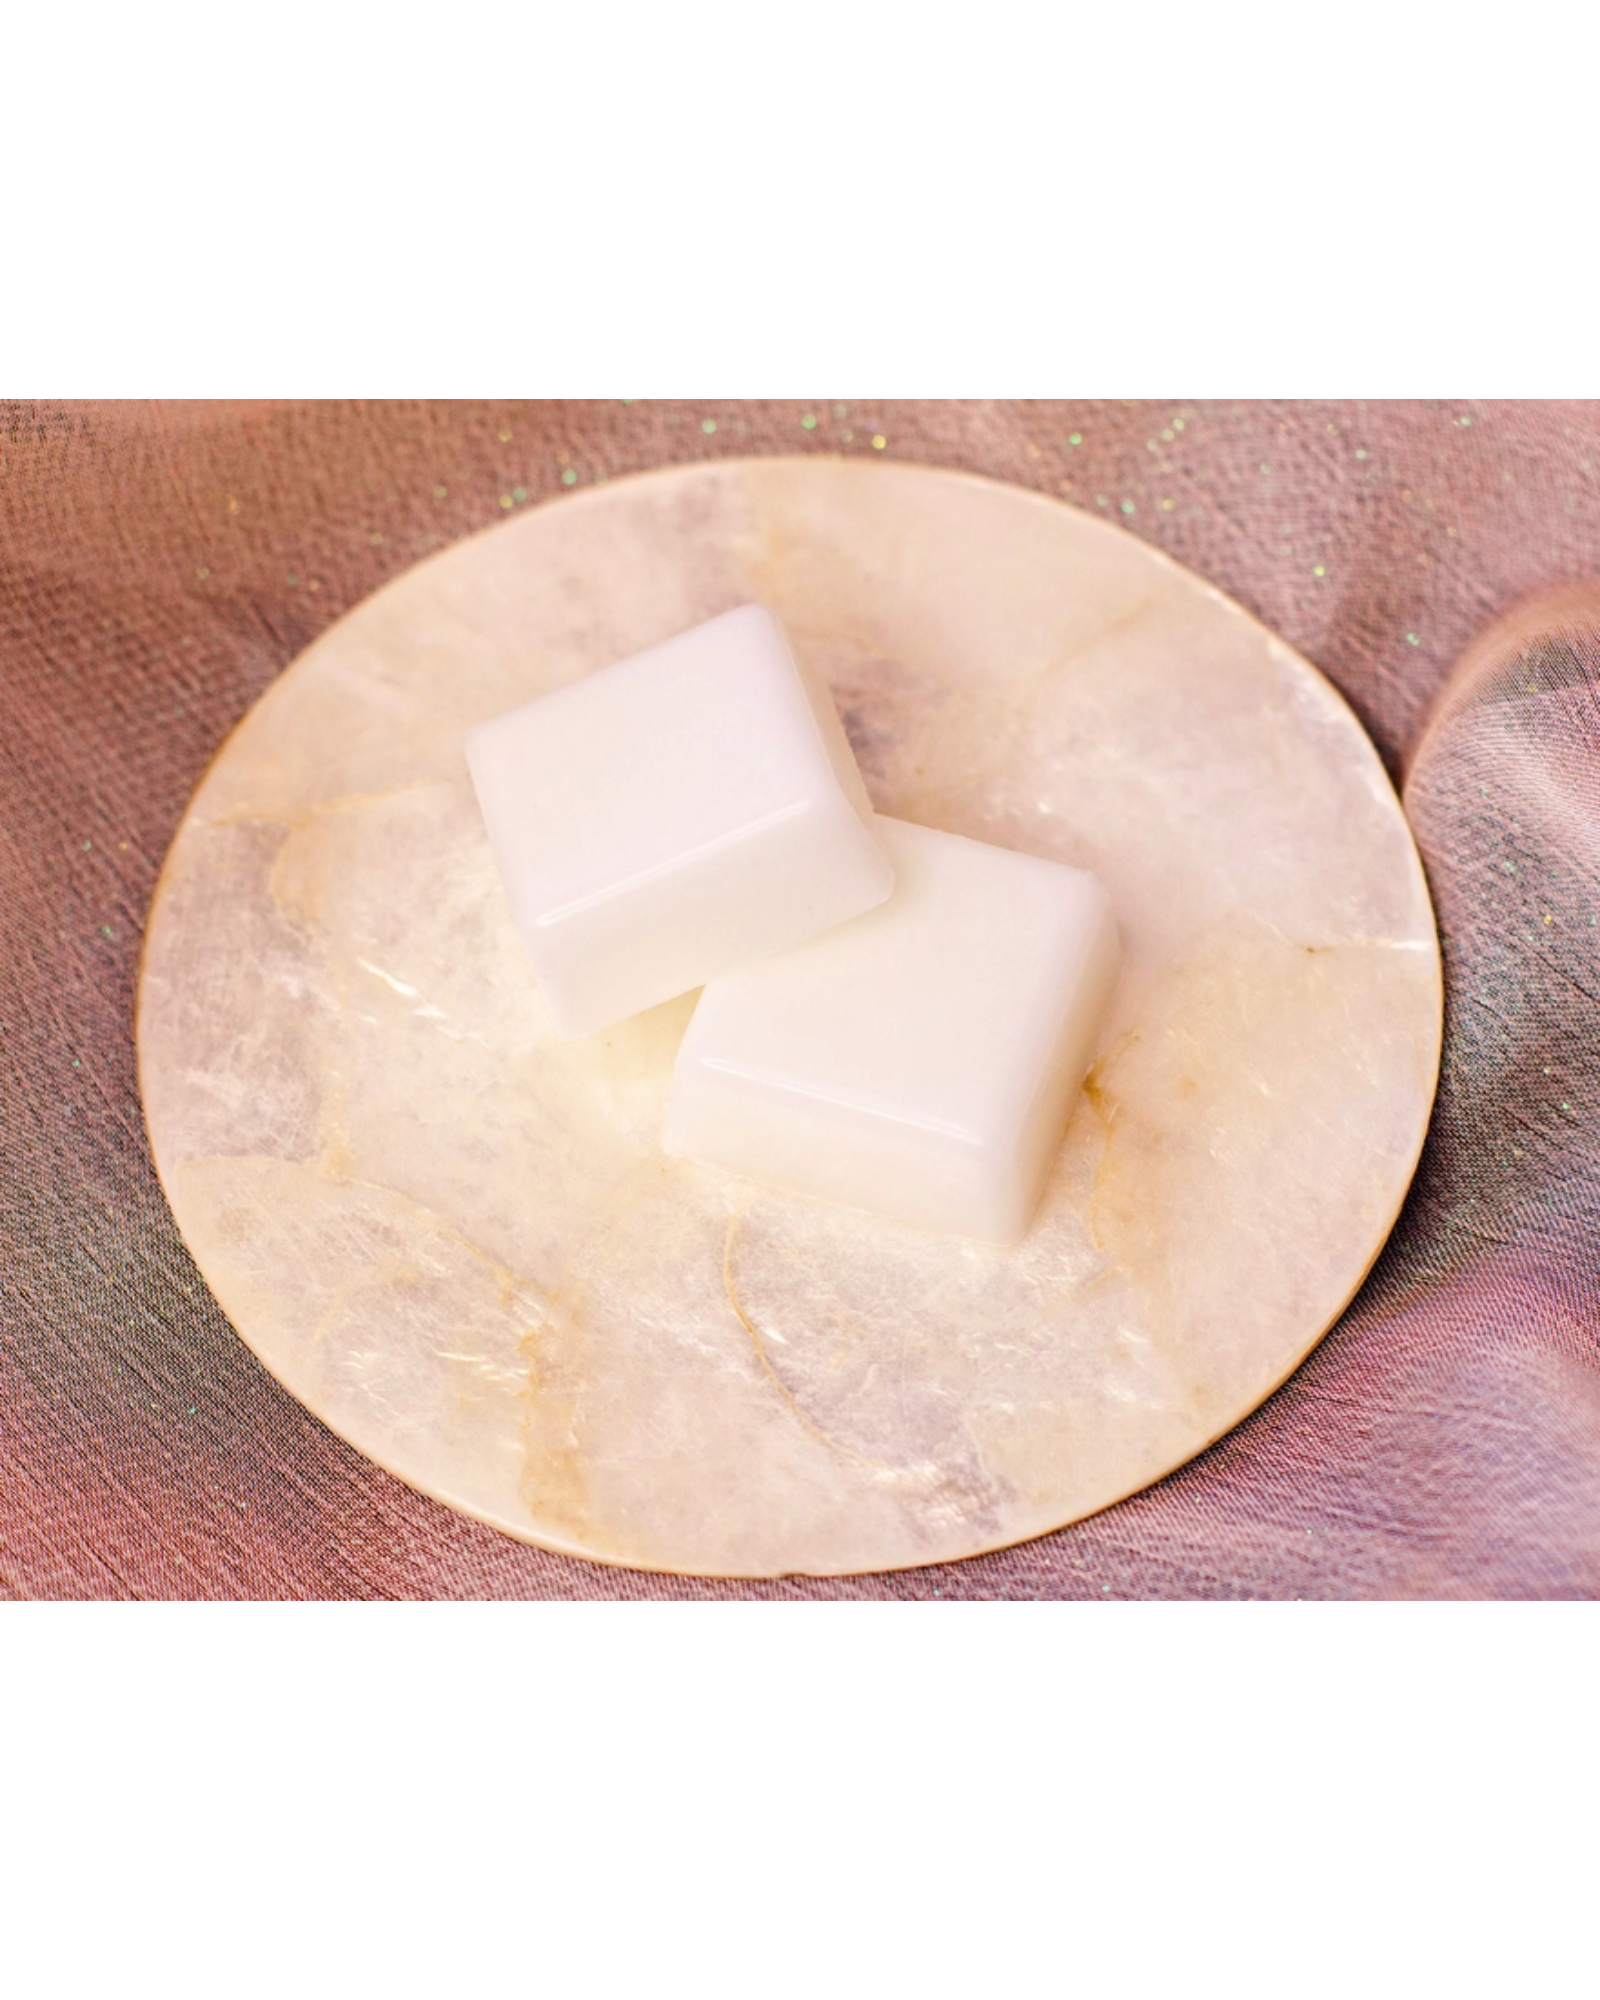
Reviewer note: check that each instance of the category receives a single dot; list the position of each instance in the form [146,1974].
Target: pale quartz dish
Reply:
[457,1238]
[673,815]
[919,1061]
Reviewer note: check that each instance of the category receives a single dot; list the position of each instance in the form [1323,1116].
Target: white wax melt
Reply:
[920,1061]
[690,809]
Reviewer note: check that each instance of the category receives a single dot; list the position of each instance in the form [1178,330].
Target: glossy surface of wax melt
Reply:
[684,811]
[920,1061]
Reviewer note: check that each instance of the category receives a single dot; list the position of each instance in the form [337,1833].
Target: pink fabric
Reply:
[159,565]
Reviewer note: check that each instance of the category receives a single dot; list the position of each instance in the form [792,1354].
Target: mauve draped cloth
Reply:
[159,564]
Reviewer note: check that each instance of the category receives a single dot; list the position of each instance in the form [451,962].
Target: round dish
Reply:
[457,1240]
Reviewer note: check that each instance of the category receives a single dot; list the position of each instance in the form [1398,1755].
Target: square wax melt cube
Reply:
[920,1061]
[687,810]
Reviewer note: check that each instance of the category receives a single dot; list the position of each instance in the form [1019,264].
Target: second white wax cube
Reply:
[920,1061]
[687,810]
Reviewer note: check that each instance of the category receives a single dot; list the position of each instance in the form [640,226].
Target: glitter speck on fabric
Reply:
[808,423]
[1075,438]
[569,477]
[1361,454]
[708,425]
[879,442]
[375,539]
[1412,639]
[1318,569]
[519,494]
[441,493]
[1128,507]
[841,410]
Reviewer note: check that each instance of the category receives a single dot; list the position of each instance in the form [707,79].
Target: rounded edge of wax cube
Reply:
[841,811]
[623,994]
[1019,1164]
[1044,1126]
[997,1221]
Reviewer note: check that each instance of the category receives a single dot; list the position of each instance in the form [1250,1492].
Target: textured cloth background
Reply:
[160,564]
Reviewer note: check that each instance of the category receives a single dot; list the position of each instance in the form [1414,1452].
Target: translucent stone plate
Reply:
[456,1239]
